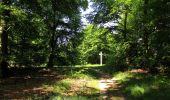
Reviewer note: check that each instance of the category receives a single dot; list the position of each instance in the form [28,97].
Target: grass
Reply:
[77,86]
[62,86]
[144,86]
[123,76]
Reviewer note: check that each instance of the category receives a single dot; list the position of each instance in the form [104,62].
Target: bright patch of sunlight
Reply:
[102,86]
[123,76]
[0,29]
[94,84]
[105,84]
[69,98]
[90,65]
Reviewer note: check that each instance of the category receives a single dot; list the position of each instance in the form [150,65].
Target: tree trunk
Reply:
[51,61]
[52,46]
[125,36]
[53,37]
[146,36]
[4,42]
[125,26]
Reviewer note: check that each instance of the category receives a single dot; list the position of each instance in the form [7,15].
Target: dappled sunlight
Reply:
[27,86]
[138,71]
[84,50]
[105,84]
[137,85]
[85,83]
[26,92]
[110,89]
[71,87]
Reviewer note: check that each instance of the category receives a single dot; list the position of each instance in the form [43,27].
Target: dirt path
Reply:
[109,88]
[105,84]
[25,87]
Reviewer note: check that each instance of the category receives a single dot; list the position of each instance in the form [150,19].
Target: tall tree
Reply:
[146,33]
[42,29]
[4,39]
[160,35]
[62,23]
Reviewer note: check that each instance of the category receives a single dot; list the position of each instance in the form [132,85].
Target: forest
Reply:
[52,49]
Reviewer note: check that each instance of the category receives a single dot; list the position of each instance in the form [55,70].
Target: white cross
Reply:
[101,58]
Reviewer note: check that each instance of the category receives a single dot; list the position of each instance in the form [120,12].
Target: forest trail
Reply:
[110,89]
[105,84]
[23,87]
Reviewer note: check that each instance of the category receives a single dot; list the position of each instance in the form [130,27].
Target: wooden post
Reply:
[101,58]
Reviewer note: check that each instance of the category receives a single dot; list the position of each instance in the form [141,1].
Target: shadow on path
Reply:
[35,83]
[29,84]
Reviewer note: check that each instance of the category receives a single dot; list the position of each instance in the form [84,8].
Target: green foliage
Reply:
[117,56]
[95,39]
[40,28]
[26,37]
[142,24]
[47,32]
[136,90]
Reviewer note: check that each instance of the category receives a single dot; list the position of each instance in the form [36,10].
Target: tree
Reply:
[137,24]
[160,36]
[96,39]
[61,29]
[117,16]
[4,40]
[39,29]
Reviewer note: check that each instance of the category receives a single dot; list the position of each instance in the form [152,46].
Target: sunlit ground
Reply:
[88,83]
